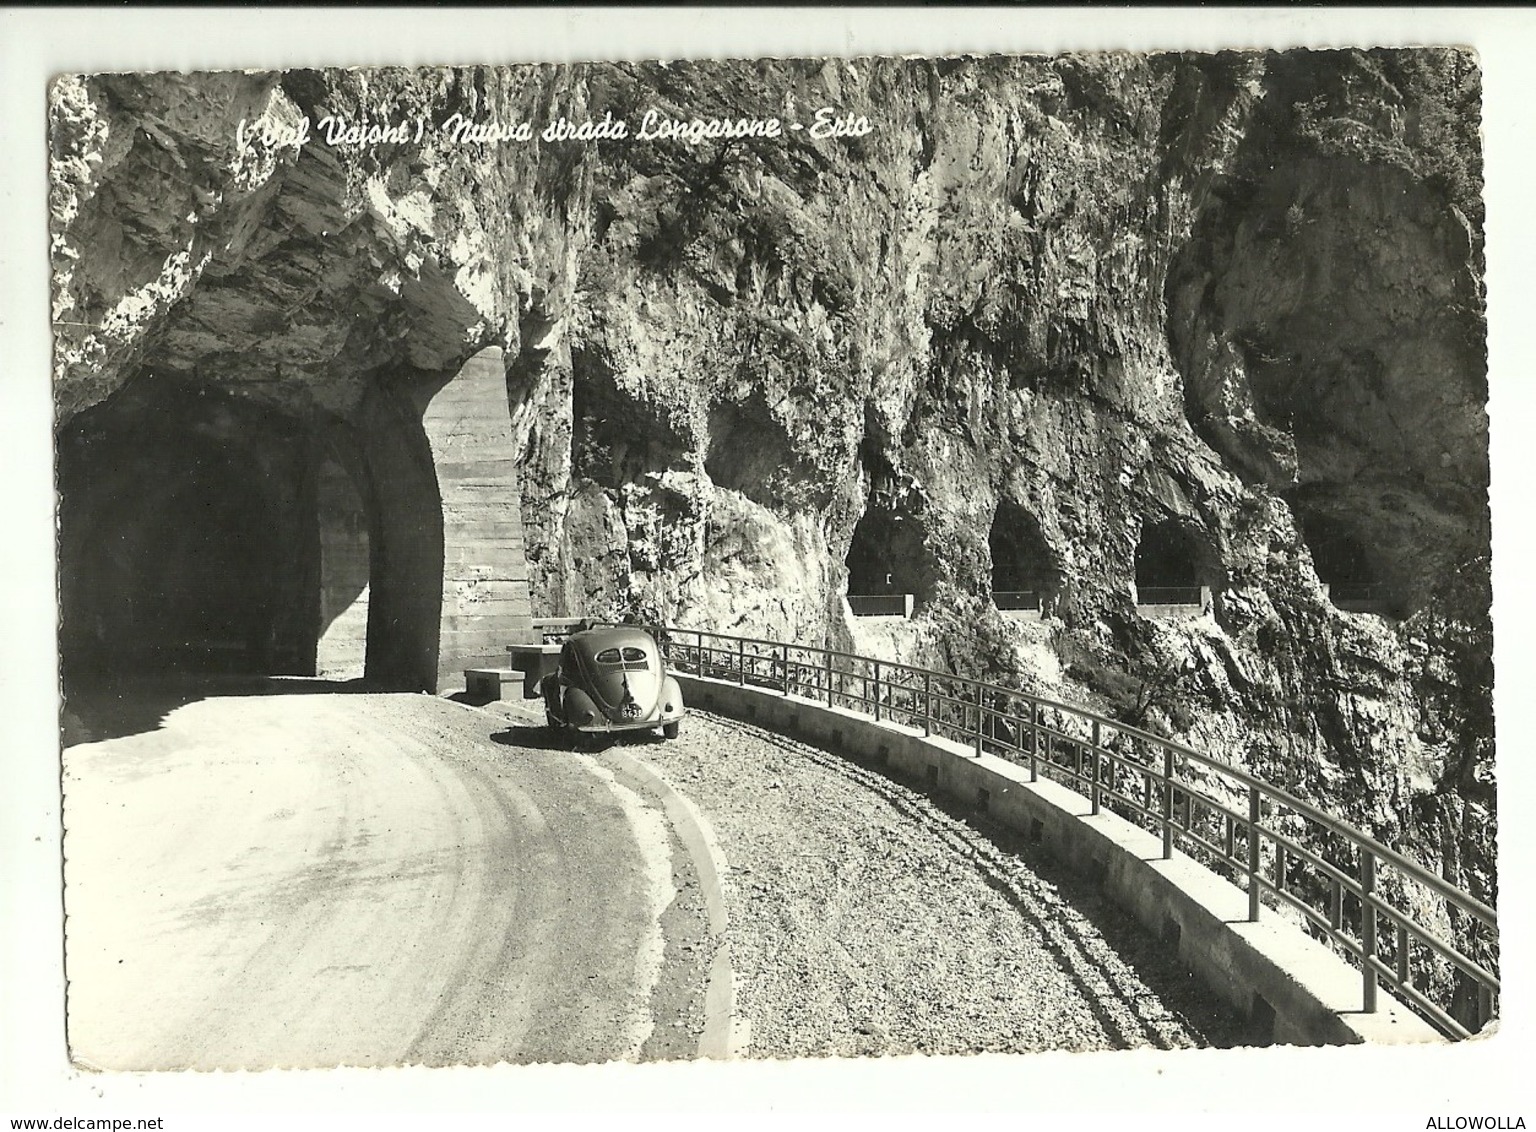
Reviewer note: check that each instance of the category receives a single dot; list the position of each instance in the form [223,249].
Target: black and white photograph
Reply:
[724,558]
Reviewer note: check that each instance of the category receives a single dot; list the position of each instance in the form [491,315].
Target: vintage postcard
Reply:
[855,556]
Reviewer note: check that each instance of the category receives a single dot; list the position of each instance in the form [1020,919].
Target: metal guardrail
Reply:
[556,628]
[1360,597]
[880,605]
[1352,892]
[1174,595]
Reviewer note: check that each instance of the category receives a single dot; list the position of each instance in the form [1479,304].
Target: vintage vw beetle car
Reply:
[612,679]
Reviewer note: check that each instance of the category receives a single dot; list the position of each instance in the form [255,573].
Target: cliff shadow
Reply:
[116,709]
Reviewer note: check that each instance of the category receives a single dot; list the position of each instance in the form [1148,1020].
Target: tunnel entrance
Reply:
[203,533]
[891,570]
[1025,574]
[186,538]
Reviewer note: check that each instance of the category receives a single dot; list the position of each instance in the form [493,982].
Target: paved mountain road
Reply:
[318,880]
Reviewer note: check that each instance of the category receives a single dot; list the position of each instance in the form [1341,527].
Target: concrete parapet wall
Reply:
[1292,988]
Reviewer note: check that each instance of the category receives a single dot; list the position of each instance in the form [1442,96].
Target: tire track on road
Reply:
[373,881]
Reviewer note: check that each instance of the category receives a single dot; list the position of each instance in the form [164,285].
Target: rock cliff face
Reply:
[1053,324]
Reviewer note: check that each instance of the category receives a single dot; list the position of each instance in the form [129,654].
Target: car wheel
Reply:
[670,730]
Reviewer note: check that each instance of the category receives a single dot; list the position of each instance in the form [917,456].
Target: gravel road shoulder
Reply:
[868,919]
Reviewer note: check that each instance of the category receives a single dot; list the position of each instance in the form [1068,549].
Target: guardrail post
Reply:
[1255,852]
[1167,803]
[741,661]
[1404,971]
[1368,928]
[786,669]
[1097,754]
[1034,742]
[927,703]
[979,713]
[876,704]
[827,656]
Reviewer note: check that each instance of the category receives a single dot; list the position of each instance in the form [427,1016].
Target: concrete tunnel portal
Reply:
[205,533]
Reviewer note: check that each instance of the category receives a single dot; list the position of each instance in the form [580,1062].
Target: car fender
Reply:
[578,709]
[671,693]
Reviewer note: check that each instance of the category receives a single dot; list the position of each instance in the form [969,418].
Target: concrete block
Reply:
[485,683]
[533,662]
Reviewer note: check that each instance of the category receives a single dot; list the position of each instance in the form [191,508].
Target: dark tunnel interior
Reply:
[1021,560]
[873,562]
[187,538]
[1337,555]
[880,557]
[1167,556]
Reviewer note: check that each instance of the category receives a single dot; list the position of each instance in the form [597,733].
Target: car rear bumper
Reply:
[604,726]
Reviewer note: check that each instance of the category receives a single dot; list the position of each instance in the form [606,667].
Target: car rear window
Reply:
[628,655]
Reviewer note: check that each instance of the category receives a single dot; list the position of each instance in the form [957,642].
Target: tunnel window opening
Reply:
[1175,568]
[1025,574]
[870,568]
[1345,568]
[1166,557]
[888,571]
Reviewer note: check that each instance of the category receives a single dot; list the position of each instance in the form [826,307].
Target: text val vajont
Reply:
[456,129]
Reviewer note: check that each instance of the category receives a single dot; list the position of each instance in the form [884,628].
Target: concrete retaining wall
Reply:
[1293,989]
